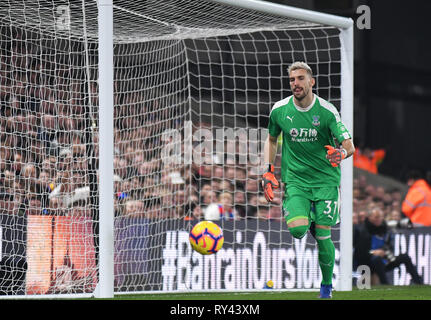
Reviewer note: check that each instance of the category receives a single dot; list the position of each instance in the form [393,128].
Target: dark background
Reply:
[392,75]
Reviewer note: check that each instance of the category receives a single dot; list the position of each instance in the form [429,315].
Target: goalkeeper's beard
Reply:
[301,95]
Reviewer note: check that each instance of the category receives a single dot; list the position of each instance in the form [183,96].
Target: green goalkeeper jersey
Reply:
[305,133]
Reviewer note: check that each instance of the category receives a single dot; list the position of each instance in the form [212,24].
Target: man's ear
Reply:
[313,81]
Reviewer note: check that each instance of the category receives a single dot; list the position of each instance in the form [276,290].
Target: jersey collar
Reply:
[307,108]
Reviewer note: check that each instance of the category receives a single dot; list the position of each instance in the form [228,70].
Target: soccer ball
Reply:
[206,237]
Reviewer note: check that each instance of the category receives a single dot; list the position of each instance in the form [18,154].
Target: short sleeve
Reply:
[273,127]
[338,129]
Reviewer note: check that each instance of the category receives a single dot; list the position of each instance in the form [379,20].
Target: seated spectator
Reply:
[134,208]
[252,185]
[215,185]
[33,204]
[275,213]
[206,187]
[222,210]
[373,246]
[230,173]
[193,211]
[48,165]
[355,218]
[362,215]
[45,182]
[80,208]
[218,172]
[153,209]
[209,198]
[240,202]
[198,213]
[6,202]
[394,215]
[262,208]
[225,185]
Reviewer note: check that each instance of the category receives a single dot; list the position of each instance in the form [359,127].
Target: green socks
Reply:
[326,254]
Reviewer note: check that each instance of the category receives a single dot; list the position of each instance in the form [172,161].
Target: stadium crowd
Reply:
[45,153]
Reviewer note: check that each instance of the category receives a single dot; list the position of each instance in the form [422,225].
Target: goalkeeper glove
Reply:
[335,155]
[269,182]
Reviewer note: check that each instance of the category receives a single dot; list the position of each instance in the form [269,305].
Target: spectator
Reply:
[372,242]
[206,187]
[262,208]
[198,212]
[209,198]
[240,202]
[362,216]
[252,186]
[275,213]
[230,173]
[218,172]
[417,203]
[355,218]
[222,210]
[215,185]
[48,165]
[33,204]
[6,202]
[193,211]
[394,215]
[240,175]
[367,159]
[134,208]
[80,208]
[225,185]
[9,179]
[262,212]
[45,181]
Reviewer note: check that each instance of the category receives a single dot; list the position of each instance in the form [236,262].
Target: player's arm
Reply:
[270,149]
[347,145]
[269,182]
[340,132]
[336,155]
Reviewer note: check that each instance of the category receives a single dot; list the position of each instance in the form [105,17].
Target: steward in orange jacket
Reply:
[368,159]
[417,203]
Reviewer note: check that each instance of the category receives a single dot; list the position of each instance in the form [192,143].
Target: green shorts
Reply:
[321,205]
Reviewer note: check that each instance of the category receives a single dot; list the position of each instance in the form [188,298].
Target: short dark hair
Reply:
[414,174]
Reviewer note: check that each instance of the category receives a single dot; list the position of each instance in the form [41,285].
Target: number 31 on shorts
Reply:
[331,208]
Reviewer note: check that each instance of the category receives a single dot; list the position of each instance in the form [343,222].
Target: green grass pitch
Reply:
[375,293]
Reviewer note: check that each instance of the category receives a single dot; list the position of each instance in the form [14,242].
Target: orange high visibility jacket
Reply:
[370,164]
[417,204]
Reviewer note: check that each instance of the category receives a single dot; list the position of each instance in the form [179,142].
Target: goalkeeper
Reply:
[309,165]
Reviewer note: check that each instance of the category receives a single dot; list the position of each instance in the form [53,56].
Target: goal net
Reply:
[194,82]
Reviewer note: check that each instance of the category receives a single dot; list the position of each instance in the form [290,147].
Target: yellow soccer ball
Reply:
[206,237]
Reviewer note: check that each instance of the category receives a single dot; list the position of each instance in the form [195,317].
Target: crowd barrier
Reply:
[57,254]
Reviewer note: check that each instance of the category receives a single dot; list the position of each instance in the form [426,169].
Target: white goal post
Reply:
[346,38]
[115,125]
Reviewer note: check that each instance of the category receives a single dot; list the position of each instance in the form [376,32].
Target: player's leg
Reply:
[296,209]
[327,215]
[407,261]
[326,252]
[312,228]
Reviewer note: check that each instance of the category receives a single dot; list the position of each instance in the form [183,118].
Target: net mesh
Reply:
[194,82]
